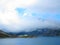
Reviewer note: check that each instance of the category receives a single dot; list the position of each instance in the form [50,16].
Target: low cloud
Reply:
[11,20]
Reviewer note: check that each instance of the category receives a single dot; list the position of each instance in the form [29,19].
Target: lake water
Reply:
[31,41]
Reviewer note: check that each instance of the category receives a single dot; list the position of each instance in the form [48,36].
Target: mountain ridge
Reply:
[35,33]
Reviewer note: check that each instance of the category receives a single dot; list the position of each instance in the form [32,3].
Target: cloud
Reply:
[51,6]
[11,20]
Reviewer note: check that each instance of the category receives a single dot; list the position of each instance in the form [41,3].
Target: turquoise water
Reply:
[31,41]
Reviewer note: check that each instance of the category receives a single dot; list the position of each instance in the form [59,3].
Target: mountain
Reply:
[42,32]
[35,33]
[3,34]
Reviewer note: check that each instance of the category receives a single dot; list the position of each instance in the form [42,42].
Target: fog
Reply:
[33,14]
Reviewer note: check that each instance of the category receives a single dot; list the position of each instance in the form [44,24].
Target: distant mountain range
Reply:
[35,33]
[42,32]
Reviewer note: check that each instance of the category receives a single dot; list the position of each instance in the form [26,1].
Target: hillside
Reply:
[35,33]
[3,34]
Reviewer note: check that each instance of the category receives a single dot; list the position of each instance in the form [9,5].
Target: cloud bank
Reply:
[30,18]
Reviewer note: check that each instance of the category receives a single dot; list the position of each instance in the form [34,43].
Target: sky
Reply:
[26,15]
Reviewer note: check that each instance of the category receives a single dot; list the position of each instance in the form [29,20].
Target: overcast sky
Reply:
[25,15]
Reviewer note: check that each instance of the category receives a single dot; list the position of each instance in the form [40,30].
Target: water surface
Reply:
[31,41]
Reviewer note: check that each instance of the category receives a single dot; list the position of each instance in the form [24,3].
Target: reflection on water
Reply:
[31,41]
